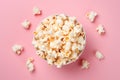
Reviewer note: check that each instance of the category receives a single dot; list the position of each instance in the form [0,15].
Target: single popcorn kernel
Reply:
[17,49]
[99,55]
[30,65]
[26,24]
[100,29]
[36,11]
[59,39]
[85,64]
[91,16]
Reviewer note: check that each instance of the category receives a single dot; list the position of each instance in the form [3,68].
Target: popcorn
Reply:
[79,47]
[72,19]
[17,49]
[50,61]
[91,15]
[63,16]
[99,55]
[74,46]
[100,29]
[53,44]
[74,55]
[62,62]
[67,23]
[77,29]
[40,34]
[50,31]
[85,64]
[36,11]
[30,65]
[26,24]
[66,28]
[67,46]
[59,22]
[29,60]
[54,54]
[81,40]
[34,42]
[59,39]
[61,55]
[58,33]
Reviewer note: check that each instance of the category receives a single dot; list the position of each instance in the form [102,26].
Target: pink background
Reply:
[13,12]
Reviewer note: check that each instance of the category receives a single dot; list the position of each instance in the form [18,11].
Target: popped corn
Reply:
[91,15]
[100,29]
[85,64]
[26,24]
[99,55]
[59,39]
[17,49]
[30,65]
[36,11]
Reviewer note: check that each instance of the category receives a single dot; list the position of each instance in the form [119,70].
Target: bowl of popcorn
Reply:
[59,39]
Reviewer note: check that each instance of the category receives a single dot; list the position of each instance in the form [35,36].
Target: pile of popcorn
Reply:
[59,39]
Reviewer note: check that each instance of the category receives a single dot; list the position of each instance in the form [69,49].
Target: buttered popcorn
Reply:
[59,39]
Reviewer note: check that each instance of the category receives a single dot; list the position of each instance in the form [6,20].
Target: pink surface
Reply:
[13,12]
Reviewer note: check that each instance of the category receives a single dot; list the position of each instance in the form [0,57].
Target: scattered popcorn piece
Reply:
[91,15]
[17,49]
[30,65]
[36,11]
[85,64]
[99,55]
[26,24]
[100,29]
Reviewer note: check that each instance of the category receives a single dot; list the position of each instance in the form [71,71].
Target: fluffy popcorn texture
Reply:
[100,29]
[17,49]
[26,24]
[36,11]
[30,65]
[59,39]
[99,55]
[85,64]
[91,15]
